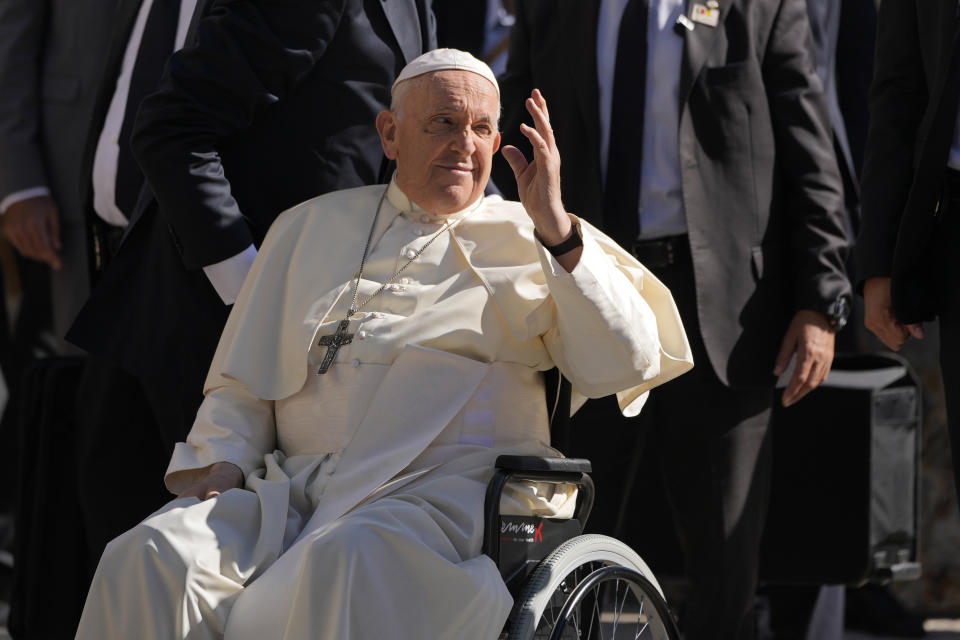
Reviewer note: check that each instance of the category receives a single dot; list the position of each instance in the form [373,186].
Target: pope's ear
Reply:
[387,128]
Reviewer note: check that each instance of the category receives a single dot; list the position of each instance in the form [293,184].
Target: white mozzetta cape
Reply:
[313,250]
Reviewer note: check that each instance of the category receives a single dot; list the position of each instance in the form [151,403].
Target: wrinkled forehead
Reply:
[451,89]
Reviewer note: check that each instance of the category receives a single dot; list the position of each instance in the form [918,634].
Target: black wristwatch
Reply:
[837,313]
[575,240]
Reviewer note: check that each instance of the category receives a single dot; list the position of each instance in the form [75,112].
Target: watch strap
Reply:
[575,240]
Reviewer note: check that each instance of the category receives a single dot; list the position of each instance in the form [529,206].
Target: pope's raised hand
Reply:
[538,181]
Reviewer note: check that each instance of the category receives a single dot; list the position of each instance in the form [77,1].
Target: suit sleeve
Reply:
[22,29]
[898,99]
[808,164]
[247,55]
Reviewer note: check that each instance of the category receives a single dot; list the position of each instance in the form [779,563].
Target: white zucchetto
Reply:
[442,60]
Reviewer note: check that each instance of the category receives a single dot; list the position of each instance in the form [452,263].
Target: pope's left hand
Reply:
[538,182]
[810,337]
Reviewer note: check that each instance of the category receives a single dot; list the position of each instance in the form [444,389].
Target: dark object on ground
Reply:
[843,504]
[873,608]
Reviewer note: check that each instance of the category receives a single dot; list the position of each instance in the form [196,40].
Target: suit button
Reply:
[410,254]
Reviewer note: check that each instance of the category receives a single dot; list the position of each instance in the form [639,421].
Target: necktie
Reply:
[621,194]
[159,36]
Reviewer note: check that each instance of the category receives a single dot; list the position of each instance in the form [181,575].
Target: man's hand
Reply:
[33,228]
[538,182]
[220,477]
[810,337]
[878,315]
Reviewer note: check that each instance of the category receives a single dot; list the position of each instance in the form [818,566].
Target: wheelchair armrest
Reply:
[534,468]
[539,463]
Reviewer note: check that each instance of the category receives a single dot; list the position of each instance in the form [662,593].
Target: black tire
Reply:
[592,586]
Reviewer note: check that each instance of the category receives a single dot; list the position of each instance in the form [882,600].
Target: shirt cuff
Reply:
[20,196]
[227,276]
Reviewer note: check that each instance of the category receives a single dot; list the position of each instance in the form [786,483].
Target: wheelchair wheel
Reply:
[592,586]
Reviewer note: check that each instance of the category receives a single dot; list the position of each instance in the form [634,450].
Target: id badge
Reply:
[705,15]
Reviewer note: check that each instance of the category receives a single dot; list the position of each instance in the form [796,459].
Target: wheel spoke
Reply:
[618,605]
[640,617]
[644,628]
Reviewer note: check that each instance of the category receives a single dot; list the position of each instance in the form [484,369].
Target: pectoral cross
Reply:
[333,343]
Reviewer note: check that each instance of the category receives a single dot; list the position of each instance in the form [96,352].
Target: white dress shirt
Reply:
[661,200]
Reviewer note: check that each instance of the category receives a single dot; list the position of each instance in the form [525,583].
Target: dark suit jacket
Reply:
[761,188]
[272,103]
[51,58]
[913,110]
[461,24]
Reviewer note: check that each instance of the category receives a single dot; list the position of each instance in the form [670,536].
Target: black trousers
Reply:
[947,271]
[121,456]
[92,467]
[707,446]
[950,370]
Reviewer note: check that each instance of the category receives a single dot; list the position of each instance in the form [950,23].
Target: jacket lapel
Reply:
[697,46]
[404,21]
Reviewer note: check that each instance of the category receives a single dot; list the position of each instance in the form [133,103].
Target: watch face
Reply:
[838,312]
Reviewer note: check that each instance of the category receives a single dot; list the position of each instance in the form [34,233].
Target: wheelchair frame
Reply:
[561,592]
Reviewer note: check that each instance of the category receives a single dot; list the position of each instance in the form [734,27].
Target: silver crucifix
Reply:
[333,343]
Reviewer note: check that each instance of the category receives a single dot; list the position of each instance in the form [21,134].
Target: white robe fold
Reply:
[363,500]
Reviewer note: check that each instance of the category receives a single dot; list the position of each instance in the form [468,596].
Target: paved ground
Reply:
[936,630]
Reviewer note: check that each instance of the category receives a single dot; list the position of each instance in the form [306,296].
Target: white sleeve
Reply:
[232,425]
[227,276]
[20,196]
[617,329]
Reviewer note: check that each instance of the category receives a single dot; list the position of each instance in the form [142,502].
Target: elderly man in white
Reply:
[385,349]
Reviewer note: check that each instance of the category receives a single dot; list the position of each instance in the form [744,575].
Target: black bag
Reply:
[844,493]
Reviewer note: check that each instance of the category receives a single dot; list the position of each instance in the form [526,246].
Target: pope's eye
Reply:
[439,124]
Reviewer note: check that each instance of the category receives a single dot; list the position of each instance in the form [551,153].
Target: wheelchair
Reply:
[567,585]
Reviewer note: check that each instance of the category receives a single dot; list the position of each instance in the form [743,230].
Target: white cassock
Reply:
[362,511]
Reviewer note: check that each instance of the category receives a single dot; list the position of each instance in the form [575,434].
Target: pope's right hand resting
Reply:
[220,477]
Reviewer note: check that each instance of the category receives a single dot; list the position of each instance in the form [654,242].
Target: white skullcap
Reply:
[444,59]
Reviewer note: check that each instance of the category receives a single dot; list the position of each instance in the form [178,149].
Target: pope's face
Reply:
[443,137]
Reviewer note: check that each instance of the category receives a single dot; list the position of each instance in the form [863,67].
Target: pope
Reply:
[386,347]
